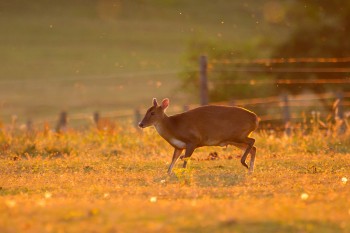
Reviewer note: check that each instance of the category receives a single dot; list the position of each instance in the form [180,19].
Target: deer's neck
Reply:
[164,127]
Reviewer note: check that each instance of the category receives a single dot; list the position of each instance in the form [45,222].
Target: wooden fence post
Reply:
[13,123]
[286,114]
[96,118]
[29,126]
[204,99]
[62,122]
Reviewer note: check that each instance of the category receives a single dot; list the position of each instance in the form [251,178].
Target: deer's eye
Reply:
[152,113]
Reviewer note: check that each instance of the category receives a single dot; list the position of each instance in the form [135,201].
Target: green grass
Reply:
[116,181]
[75,55]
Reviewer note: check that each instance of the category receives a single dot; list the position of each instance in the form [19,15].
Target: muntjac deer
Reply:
[204,126]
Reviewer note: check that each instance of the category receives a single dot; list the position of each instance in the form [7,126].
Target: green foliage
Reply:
[13,191]
[316,29]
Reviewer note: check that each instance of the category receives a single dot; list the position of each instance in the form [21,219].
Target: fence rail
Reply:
[278,102]
[284,81]
[289,70]
[283,60]
[285,104]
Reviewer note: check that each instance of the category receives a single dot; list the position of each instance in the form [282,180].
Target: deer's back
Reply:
[212,124]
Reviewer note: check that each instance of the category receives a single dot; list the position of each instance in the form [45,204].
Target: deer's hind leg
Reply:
[247,147]
[252,159]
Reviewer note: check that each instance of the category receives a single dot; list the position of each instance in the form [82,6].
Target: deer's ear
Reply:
[165,103]
[155,103]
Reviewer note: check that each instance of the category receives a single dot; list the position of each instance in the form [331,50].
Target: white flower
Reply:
[153,199]
[106,195]
[304,196]
[47,195]
[344,180]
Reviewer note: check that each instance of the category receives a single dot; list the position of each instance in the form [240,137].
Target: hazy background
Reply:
[106,55]
[83,56]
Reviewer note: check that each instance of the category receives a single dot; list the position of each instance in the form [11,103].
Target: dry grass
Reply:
[93,181]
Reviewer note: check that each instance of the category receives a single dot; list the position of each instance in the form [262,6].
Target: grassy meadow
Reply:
[115,180]
[115,56]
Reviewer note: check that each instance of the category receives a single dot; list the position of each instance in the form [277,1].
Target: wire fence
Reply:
[283,106]
[285,81]
[315,74]
[305,100]
[267,61]
[288,70]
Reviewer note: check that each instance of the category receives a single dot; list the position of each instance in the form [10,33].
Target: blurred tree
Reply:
[318,28]
[315,28]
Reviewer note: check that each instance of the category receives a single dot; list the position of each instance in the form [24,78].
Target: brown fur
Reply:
[204,126]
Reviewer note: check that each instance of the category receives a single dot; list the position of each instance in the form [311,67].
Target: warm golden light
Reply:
[273,12]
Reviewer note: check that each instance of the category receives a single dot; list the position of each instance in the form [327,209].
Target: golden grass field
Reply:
[115,180]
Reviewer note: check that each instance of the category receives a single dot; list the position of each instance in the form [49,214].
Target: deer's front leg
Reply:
[176,155]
